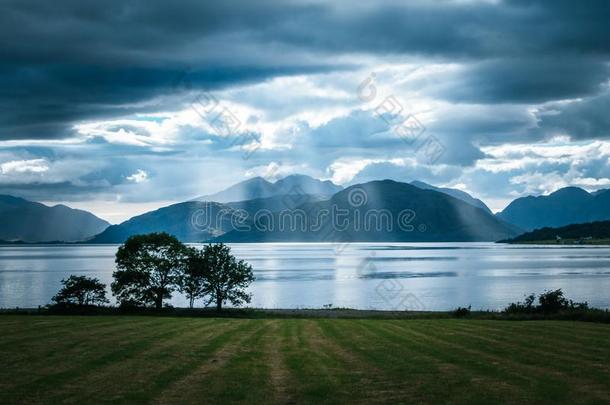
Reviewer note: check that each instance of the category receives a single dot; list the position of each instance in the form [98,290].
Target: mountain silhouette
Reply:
[584,231]
[569,205]
[191,221]
[367,210]
[30,221]
[258,187]
[453,192]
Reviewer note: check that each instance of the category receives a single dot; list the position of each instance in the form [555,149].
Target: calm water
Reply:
[431,276]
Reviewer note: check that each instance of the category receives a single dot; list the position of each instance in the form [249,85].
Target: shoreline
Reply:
[589,315]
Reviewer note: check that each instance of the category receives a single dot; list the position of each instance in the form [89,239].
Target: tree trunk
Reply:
[159,302]
[191,301]
[218,303]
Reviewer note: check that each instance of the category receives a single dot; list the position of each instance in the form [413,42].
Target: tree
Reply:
[81,291]
[192,280]
[226,278]
[552,301]
[148,268]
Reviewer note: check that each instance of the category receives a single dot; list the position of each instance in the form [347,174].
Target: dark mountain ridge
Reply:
[191,221]
[28,221]
[258,187]
[593,230]
[367,211]
[569,205]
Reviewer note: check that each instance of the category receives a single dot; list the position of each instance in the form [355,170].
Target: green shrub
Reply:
[549,302]
[461,312]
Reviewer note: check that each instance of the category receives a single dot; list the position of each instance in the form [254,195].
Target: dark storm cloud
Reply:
[583,119]
[43,101]
[533,80]
[61,62]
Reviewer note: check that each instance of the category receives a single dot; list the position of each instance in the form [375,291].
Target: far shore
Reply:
[563,242]
[590,315]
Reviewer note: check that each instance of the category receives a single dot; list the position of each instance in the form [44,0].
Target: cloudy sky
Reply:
[123,106]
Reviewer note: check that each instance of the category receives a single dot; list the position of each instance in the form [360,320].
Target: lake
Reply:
[414,276]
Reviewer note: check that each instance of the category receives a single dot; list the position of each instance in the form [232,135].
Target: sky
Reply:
[119,107]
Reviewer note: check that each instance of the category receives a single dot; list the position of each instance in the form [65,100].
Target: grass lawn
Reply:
[176,360]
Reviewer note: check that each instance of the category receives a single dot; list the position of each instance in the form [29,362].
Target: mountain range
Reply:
[28,221]
[379,211]
[453,192]
[258,187]
[440,214]
[589,232]
[569,205]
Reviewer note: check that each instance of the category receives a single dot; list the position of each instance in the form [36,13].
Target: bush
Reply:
[526,307]
[81,291]
[461,312]
[549,302]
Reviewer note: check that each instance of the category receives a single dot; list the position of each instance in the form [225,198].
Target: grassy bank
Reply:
[173,360]
[563,242]
[587,315]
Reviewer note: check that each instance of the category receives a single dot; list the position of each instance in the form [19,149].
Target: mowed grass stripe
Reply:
[417,372]
[276,350]
[36,331]
[470,371]
[185,360]
[357,373]
[550,359]
[142,374]
[320,375]
[240,373]
[379,378]
[537,343]
[101,353]
[501,374]
[532,349]
[45,357]
[405,370]
[69,338]
[509,365]
[566,332]
[195,380]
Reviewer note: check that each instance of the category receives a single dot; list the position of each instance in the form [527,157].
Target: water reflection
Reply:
[435,276]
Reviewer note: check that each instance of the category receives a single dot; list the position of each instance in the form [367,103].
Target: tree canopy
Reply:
[192,280]
[151,267]
[81,291]
[226,278]
[148,269]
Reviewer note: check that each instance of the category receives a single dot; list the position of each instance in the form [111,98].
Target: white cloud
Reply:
[140,176]
[24,166]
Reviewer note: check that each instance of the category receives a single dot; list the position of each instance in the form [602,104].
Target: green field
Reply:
[74,359]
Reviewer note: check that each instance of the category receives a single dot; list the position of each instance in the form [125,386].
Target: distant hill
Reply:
[258,187]
[459,194]
[566,206]
[275,203]
[197,221]
[438,217]
[596,230]
[28,221]
[192,221]
[603,190]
